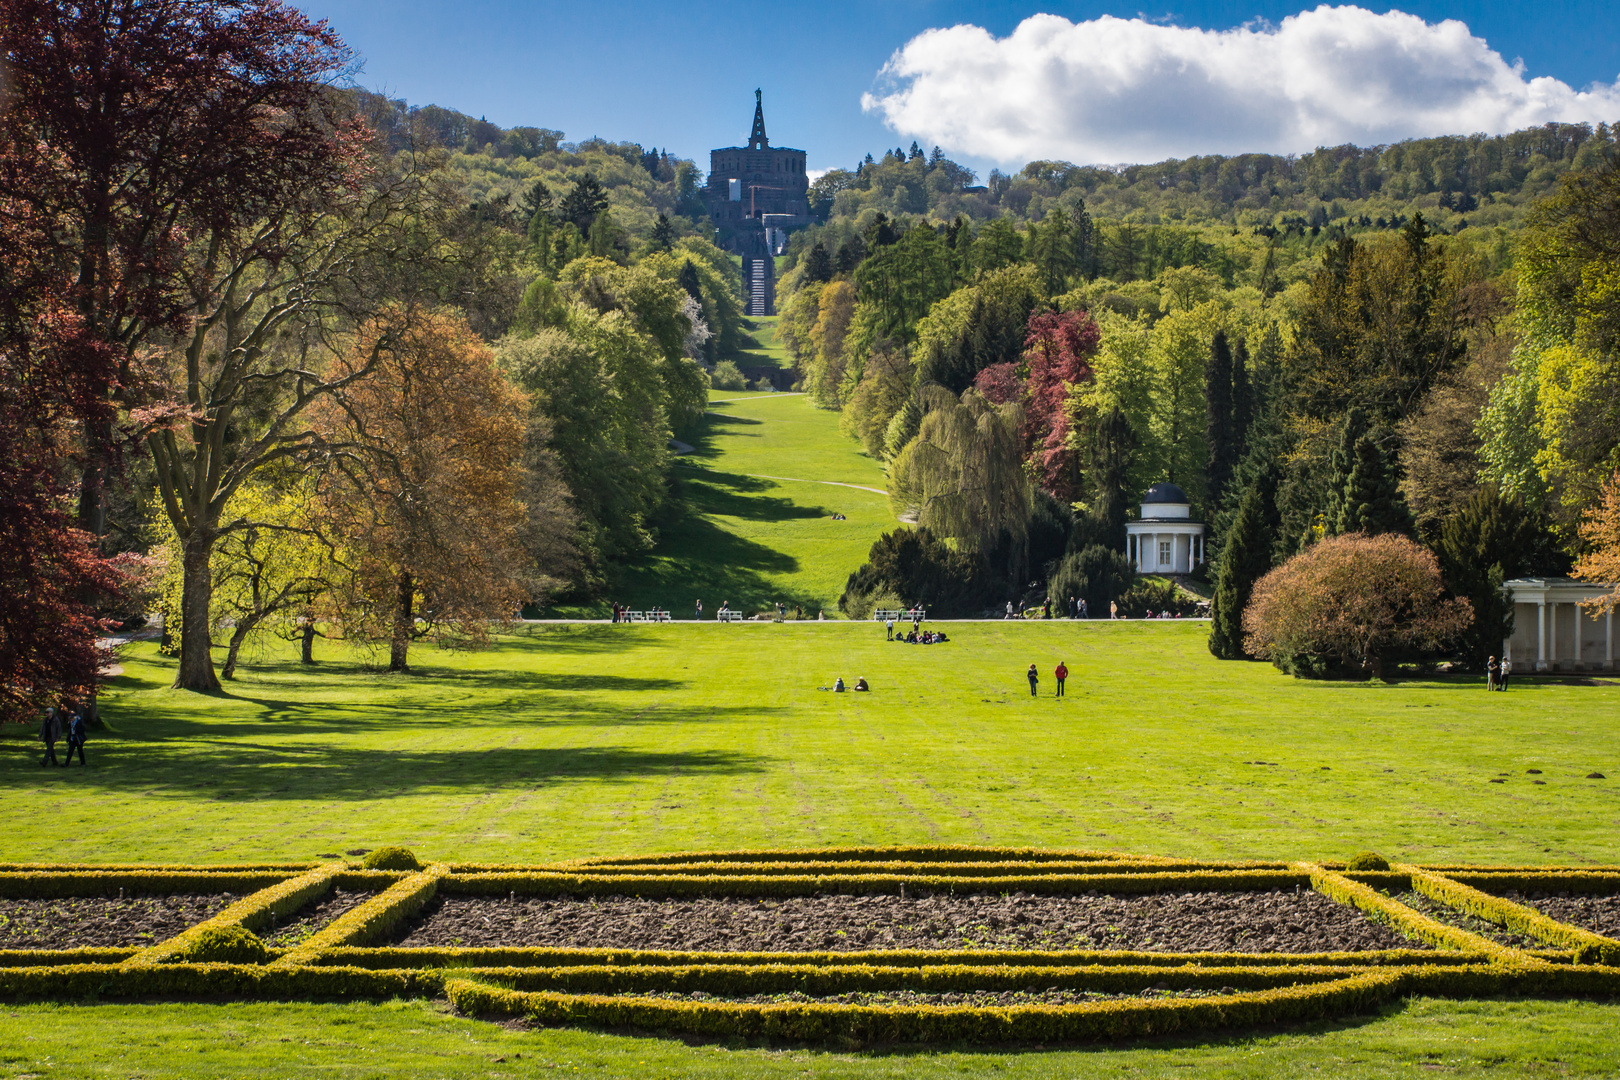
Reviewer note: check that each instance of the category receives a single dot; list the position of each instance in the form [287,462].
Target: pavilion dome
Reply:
[1164,492]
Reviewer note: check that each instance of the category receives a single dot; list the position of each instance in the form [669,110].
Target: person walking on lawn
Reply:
[50,729]
[1034,680]
[1060,674]
[75,737]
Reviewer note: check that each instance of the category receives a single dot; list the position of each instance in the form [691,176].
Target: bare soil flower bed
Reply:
[101,922]
[1599,914]
[312,917]
[1287,922]
[1440,913]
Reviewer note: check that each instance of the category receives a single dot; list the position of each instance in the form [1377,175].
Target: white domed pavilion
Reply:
[1164,539]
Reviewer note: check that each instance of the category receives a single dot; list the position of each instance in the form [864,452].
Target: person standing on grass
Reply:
[1492,670]
[1034,680]
[50,729]
[75,737]
[889,626]
[1502,676]
[1060,674]
[1113,610]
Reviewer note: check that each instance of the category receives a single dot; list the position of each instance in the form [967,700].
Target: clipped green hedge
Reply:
[909,869]
[1339,887]
[280,899]
[903,853]
[1571,881]
[371,919]
[681,887]
[51,957]
[452,957]
[814,1022]
[54,884]
[145,868]
[1587,947]
[242,981]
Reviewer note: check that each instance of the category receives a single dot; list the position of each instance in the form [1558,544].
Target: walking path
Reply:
[801,480]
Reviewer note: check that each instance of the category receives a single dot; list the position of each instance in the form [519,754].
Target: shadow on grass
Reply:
[702,435]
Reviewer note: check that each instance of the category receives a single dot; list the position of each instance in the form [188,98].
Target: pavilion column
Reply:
[1608,639]
[1541,634]
[1552,634]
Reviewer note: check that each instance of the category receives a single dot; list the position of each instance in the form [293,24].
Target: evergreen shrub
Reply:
[391,858]
[1367,860]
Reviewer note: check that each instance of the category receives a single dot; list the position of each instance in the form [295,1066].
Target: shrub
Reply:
[914,564]
[1352,601]
[391,858]
[224,945]
[1158,596]
[1368,860]
[1097,573]
[727,376]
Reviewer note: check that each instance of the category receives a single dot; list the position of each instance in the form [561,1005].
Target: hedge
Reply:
[187,868]
[1345,891]
[371,919]
[541,883]
[814,1022]
[10,958]
[56,884]
[250,913]
[1588,948]
[844,869]
[1570,881]
[451,957]
[212,981]
[904,853]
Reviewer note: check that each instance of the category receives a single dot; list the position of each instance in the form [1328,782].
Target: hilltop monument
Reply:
[756,194]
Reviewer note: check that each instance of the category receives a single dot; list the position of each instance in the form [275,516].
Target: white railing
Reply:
[883,615]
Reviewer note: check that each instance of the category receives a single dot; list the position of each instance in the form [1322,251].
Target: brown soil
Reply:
[311,918]
[97,921]
[1290,922]
[1599,914]
[1440,913]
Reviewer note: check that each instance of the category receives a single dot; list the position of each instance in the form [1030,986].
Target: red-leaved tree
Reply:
[1057,352]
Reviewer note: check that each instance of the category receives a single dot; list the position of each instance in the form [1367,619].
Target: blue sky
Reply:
[682,75]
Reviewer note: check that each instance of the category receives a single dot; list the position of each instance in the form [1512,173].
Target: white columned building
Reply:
[1164,539]
[1552,632]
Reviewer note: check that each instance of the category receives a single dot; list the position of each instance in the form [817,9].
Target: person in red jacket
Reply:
[1061,673]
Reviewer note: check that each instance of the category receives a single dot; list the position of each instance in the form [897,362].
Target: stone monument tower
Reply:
[756,194]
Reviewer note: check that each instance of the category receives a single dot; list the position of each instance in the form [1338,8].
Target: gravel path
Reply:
[97,921]
[1290,922]
[977,998]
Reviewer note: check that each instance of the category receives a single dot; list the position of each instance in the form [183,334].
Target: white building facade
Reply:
[1164,539]
[1552,632]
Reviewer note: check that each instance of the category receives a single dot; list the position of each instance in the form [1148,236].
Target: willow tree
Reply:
[963,475]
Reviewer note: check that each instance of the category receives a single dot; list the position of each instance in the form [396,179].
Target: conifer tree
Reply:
[1372,502]
[818,266]
[1242,400]
[1218,419]
[663,234]
[688,279]
[1245,559]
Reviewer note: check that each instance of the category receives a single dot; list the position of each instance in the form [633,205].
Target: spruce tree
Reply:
[1341,462]
[1242,400]
[1372,502]
[663,234]
[1218,419]
[1245,558]
[688,279]
[818,266]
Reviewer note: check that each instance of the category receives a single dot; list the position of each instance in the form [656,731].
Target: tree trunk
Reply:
[244,627]
[196,647]
[306,652]
[404,622]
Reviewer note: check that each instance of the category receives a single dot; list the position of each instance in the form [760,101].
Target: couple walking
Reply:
[53,728]
[1061,673]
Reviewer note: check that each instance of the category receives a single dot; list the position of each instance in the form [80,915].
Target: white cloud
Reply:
[1118,90]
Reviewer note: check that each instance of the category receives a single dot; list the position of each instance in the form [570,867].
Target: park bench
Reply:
[645,616]
[731,616]
[883,615]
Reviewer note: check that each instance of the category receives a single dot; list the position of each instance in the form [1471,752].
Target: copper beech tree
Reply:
[427,494]
[1352,601]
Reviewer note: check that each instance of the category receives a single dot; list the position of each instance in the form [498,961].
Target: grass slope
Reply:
[418,1039]
[750,540]
[593,739]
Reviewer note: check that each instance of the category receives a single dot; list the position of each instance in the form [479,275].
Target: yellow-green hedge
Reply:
[10,958]
[463,957]
[369,920]
[1553,881]
[753,887]
[1336,886]
[58,884]
[1587,947]
[251,912]
[815,1022]
[249,981]
[903,853]
[909,869]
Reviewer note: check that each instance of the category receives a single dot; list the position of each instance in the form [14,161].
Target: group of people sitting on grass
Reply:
[861,686]
[922,637]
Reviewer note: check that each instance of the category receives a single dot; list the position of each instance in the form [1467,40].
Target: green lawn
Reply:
[743,538]
[594,739]
[1421,1037]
